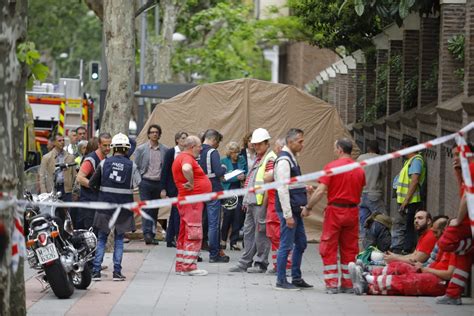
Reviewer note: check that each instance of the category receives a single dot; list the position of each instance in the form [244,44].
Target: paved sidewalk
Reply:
[152,288]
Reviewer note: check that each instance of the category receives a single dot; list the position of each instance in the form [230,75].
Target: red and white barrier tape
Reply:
[464,152]
[258,189]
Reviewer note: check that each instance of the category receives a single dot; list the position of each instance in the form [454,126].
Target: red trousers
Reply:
[458,239]
[394,268]
[190,236]
[340,232]
[273,233]
[400,278]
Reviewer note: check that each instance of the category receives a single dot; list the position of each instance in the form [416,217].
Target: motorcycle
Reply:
[59,252]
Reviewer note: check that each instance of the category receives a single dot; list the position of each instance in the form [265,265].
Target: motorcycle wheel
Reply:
[59,280]
[82,279]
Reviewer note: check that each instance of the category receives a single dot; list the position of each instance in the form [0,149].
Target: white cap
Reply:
[120,140]
[259,135]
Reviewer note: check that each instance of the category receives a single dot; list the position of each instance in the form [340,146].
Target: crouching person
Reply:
[114,178]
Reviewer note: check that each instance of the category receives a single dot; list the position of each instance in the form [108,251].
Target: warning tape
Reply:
[464,152]
[190,199]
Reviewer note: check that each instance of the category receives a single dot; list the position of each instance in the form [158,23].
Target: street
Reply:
[153,288]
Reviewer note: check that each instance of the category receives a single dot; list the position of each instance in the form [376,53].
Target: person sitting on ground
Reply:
[426,241]
[377,231]
[401,278]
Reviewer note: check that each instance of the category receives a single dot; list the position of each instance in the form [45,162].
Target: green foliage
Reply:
[28,55]
[456,48]
[394,10]
[58,27]
[332,24]
[226,42]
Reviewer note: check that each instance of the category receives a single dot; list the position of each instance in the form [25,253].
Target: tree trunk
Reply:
[170,9]
[120,54]
[12,102]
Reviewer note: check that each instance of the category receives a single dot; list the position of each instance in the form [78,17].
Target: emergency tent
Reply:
[236,107]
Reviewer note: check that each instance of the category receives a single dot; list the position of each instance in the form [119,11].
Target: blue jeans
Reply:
[290,238]
[172,230]
[367,207]
[403,229]
[213,221]
[149,190]
[100,251]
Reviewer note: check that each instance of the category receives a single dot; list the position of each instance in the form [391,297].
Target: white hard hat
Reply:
[120,140]
[259,135]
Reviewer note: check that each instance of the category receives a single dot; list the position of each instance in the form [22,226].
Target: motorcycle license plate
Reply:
[47,253]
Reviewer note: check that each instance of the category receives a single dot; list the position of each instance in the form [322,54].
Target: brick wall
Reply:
[342,96]
[370,66]
[332,91]
[410,58]
[360,76]
[429,50]
[393,99]
[452,23]
[469,50]
[351,96]
[304,62]
[381,60]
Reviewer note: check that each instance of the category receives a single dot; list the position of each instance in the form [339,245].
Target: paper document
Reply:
[232,174]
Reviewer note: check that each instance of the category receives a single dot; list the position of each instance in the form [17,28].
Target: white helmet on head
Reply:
[120,140]
[259,135]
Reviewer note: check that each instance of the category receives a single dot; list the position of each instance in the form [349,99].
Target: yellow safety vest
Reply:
[261,173]
[404,181]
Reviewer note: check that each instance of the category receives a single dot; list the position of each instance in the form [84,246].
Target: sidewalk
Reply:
[152,288]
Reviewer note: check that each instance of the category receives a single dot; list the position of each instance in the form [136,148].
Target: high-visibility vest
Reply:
[404,181]
[261,173]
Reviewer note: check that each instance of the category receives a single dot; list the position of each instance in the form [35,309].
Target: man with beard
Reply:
[426,241]
[401,278]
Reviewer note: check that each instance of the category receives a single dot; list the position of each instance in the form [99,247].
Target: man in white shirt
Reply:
[289,203]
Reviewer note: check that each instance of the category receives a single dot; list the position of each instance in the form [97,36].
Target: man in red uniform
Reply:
[402,278]
[457,238]
[190,179]
[426,241]
[341,217]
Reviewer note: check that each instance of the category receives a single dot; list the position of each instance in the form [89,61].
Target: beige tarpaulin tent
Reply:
[238,106]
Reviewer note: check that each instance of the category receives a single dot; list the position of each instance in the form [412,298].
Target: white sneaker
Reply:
[196,272]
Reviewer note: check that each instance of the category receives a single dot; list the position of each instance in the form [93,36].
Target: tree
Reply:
[12,98]
[395,10]
[333,24]
[119,33]
[226,42]
[56,28]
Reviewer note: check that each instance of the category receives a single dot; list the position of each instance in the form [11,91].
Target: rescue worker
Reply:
[425,244]
[403,278]
[457,238]
[210,162]
[149,159]
[272,219]
[256,243]
[408,183]
[190,179]
[85,216]
[339,231]
[114,178]
[288,204]
[168,187]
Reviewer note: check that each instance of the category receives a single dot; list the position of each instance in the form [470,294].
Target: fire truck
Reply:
[56,108]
